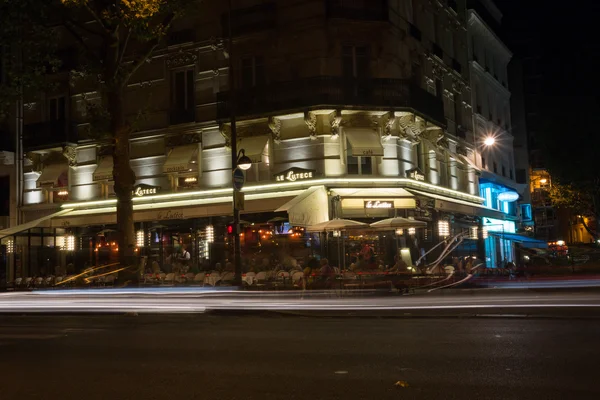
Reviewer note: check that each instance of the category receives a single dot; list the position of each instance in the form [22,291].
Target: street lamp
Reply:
[243,162]
[489,141]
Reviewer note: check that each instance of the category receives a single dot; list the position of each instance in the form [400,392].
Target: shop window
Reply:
[355,61]
[359,165]
[183,107]
[526,214]
[56,109]
[253,71]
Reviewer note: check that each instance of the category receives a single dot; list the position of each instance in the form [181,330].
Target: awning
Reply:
[51,174]
[31,224]
[372,192]
[461,206]
[180,158]
[308,208]
[525,241]
[254,147]
[364,142]
[104,171]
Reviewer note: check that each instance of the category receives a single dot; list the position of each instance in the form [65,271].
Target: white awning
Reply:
[308,208]
[372,192]
[364,142]
[104,171]
[51,173]
[465,207]
[31,224]
[254,147]
[180,158]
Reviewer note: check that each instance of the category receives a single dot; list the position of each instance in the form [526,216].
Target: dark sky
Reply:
[565,35]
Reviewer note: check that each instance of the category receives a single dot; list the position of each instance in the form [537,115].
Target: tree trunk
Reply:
[124,179]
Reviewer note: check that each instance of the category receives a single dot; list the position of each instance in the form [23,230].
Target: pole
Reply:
[237,249]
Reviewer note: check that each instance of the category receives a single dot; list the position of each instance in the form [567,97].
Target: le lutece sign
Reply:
[378,204]
[295,174]
[415,174]
[145,190]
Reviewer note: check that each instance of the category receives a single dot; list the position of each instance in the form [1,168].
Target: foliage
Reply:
[27,51]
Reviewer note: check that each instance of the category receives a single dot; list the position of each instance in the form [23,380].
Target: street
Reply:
[277,356]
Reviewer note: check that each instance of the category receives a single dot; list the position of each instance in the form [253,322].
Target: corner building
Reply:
[350,109]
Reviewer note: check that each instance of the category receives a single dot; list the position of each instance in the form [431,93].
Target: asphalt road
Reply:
[207,356]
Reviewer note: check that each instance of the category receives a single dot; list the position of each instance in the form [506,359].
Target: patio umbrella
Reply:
[277,219]
[336,224]
[398,223]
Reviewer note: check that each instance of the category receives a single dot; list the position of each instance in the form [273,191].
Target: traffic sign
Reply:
[239,198]
[238,179]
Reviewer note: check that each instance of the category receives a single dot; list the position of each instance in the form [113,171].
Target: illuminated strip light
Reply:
[284,185]
[183,203]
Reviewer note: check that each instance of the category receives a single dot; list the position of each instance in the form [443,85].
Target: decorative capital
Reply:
[389,121]
[310,118]
[275,127]
[70,153]
[335,120]
[184,139]
[181,59]
[225,131]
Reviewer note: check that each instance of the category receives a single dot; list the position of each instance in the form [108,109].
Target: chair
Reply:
[110,279]
[261,276]
[212,279]
[48,281]
[58,280]
[170,278]
[189,276]
[18,282]
[228,277]
[199,279]
[28,281]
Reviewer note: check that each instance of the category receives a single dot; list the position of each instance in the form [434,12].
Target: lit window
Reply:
[444,228]
[140,238]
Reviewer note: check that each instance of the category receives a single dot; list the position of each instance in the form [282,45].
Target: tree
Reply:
[116,38]
[570,145]
[579,202]
[27,52]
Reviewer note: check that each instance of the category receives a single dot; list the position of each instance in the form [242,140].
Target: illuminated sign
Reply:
[379,204]
[169,215]
[295,174]
[416,174]
[145,190]
[509,196]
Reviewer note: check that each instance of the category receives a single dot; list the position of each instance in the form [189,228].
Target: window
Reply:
[457,109]
[56,109]
[253,71]
[183,107]
[503,170]
[359,165]
[355,61]
[439,88]
[419,162]
[495,167]
[510,174]
[483,165]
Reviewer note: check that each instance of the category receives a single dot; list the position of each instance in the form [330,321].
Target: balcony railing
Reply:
[327,91]
[46,135]
[366,10]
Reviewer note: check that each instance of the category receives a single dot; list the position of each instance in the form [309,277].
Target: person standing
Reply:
[185,260]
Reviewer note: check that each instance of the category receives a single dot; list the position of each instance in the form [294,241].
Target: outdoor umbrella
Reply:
[337,224]
[398,223]
[277,219]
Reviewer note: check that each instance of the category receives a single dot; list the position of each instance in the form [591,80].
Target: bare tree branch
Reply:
[124,47]
[151,45]
[97,19]
[88,50]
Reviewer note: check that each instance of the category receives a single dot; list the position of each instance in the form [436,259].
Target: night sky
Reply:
[567,38]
